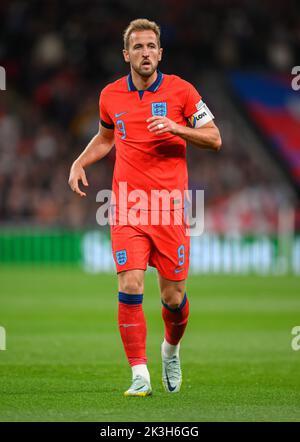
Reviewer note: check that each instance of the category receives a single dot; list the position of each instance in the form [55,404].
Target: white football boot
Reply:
[139,387]
[171,373]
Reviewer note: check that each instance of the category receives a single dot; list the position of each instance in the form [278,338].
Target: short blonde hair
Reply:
[140,24]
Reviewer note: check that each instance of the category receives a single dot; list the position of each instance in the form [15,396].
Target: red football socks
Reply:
[175,321]
[132,326]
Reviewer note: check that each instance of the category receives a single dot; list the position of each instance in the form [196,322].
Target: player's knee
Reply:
[173,298]
[131,284]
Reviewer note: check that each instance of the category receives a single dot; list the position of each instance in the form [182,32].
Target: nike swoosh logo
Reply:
[140,387]
[121,113]
[169,385]
[178,270]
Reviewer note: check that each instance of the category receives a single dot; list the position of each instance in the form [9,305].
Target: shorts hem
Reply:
[173,277]
[132,268]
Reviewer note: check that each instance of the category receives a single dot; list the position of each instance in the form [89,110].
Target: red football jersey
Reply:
[144,160]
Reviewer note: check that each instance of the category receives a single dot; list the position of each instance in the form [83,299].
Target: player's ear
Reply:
[126,55]
[160,54]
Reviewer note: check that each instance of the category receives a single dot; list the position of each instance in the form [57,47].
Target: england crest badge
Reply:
[121,257]
[159,109]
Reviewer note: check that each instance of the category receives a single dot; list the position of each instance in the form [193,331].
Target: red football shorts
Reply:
[166,247]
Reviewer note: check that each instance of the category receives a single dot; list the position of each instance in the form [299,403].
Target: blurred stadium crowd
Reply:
[59,55]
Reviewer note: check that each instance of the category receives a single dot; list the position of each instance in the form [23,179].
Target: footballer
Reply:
[149,116]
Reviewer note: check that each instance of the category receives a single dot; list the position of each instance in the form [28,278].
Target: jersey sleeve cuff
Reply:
[107,125]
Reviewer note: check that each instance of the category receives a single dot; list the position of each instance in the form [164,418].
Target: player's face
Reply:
[143,52]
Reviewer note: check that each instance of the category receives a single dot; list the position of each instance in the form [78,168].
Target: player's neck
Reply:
[142,83]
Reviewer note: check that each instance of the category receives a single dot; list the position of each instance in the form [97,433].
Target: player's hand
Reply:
[77,174]
[168,125]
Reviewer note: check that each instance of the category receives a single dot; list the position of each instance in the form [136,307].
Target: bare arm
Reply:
[205,137]
[98,147]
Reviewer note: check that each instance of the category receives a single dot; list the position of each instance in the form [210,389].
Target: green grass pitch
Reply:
[65,362]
